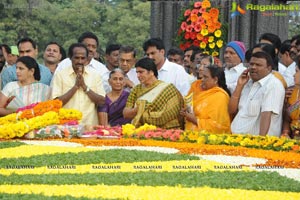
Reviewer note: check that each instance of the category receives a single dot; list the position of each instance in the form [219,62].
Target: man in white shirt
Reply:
[258,99]
[126,62]
[289,64]
[234,57]
[167,71]
[90,40]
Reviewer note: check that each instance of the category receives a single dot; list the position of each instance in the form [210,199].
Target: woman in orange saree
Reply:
[210,98]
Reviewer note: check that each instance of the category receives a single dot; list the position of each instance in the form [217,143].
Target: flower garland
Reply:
[13,125]
[200,26]
[203,137]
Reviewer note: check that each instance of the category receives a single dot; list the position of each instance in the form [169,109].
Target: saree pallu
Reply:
[159,105]
[26,95]
[211,110]
[293,110]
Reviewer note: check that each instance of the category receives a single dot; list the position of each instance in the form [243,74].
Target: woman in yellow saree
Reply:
[153,101]
[209,103]
[291,123]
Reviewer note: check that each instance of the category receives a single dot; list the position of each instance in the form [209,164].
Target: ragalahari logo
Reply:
[236,10]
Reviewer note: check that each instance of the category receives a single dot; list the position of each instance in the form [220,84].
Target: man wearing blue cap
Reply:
[234,57]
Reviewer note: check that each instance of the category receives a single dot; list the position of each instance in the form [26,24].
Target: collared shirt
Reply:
[94,64]
[232,75]
[173,73]
[9,74]
[288,73]
[264,95]
[64,80]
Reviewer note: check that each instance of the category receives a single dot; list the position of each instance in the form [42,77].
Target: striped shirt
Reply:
[267,94]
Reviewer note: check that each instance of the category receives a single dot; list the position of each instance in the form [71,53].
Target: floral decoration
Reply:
[200,26]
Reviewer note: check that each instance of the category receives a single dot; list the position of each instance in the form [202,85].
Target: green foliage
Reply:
[103,156]
[269,181]
[125,22]
[4,145]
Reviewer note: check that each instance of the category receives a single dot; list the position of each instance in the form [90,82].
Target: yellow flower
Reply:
[202,45]
[215,53]
[219,43]
[204,32]
[201,140]
[212,45]
[218,33]
[211,38]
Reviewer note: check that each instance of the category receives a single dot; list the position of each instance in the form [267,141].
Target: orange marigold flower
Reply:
[218,25]
[214,13]
[197,4]
[206,16]
[206,4]
[211,28]
[187,12]
[194,17]
[199,36]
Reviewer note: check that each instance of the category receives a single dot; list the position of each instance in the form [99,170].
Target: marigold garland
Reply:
[200,26]
[286,159]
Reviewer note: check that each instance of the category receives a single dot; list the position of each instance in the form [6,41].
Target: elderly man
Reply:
[233,59]
[258,99]
[78,86]
[126,63]
[167,71]
[153,101]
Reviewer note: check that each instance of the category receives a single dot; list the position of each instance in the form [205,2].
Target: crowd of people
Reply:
[247,91]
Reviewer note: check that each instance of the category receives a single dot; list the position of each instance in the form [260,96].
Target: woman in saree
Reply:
[153,101]
[209,98]
[291,122]
[26,90]
[111,113]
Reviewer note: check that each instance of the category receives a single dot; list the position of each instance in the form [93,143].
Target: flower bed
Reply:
[41,170]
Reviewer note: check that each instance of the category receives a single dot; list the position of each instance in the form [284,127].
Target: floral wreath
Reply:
[199,26]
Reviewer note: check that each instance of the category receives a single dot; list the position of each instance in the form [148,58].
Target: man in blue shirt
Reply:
[27,47]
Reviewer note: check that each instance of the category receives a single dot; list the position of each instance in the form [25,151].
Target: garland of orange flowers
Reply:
[274,158]
[41,108]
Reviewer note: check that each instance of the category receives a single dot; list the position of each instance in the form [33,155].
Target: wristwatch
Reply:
[87,90]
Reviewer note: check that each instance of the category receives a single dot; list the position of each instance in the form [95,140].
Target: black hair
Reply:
[274,39]
[248,54]
[195,52]
[61,49]
[148,64]
[6,47]
[30,63]
[154,42]
[74,45]
[264,55]
[175,51]
[285,46]
[218,72]
[26,39]
[88,35]
[193,48]
[128,49]
[297,38]
[269,49]
[112,47]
